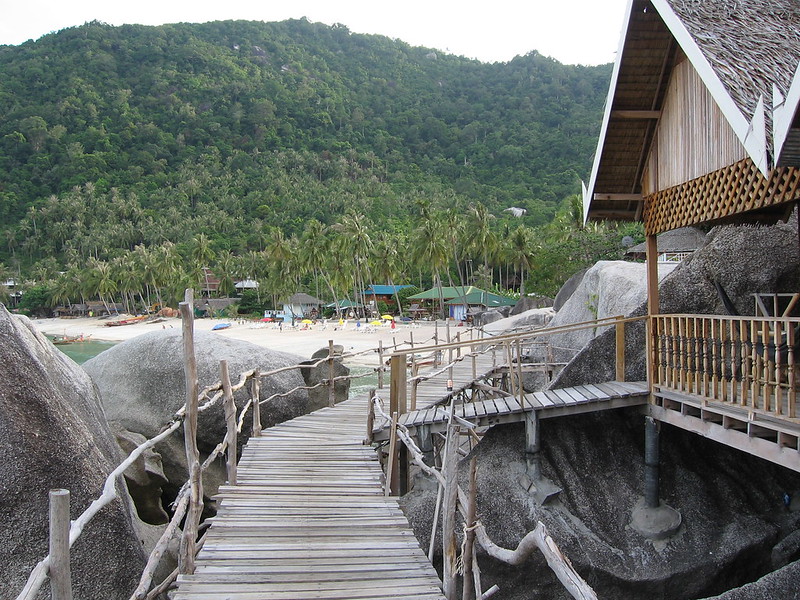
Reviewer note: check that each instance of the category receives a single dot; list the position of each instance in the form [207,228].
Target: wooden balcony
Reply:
[733,379]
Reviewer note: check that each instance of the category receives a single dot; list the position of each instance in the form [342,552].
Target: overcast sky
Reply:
[573,32]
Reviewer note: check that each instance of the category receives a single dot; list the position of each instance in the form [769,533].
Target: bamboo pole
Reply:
[189,538]
[60,574]
[231,435]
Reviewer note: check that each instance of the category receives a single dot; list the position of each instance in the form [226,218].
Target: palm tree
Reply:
[430,247]
[100,280]
[520,253]
[479,238]
[202,256]
[315,253]
[354,240]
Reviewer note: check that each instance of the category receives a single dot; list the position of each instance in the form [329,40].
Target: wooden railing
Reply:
[507,350]
[64,533]
[451,499]
[749,362]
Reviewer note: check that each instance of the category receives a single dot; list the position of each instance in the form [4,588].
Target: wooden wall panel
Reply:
[733,190]
[693,136]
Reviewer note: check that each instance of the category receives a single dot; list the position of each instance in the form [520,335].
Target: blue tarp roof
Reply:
[383,290]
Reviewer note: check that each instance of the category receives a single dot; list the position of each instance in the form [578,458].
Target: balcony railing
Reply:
[749,362]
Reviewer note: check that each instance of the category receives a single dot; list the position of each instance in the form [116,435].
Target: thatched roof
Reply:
[739,49]
[303,298]
[685,239]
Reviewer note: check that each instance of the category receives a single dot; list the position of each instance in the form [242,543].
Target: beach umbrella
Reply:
[387,317]
[266,319]
[307,321]
[376,323]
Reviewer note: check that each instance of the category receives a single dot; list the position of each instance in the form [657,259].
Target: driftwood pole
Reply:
[450,547]
[189,538]
[467,586]
[380,364]
[331,376]
[231,435]
[255,399]
[60,574]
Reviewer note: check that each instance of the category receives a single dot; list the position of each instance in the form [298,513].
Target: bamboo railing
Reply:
[749,362]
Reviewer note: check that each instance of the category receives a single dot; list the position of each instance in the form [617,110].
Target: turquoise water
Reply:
[80,352]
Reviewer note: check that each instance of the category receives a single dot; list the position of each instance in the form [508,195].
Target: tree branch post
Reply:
[189,538]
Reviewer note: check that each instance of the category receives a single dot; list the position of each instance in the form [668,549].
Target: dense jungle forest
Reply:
[301,155]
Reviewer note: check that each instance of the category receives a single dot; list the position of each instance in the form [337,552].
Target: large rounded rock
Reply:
[53,434]
[141,382]
[743,259]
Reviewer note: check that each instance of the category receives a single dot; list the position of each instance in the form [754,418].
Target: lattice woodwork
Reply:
[730,191]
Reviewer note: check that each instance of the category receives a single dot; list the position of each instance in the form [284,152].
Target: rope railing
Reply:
[465,505]
[206,399]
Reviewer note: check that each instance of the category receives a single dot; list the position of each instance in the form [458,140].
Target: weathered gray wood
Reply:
[309,520]
[189,538]
[255,401]
[60,573]
[231,434]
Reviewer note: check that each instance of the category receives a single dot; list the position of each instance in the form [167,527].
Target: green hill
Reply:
[113,137]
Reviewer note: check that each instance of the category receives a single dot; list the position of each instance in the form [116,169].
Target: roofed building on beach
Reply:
[701,127]
[301,305]
[382,293]
[459,299]
[673,246]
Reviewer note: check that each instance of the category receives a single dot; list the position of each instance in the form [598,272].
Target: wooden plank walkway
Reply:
[547,404]
[433,389]
[308,520]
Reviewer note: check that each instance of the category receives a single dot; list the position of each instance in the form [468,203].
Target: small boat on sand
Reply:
[219,326]
[128,321]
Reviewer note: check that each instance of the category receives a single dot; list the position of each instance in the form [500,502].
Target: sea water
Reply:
[80,352]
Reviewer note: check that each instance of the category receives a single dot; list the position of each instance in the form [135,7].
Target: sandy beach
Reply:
[303,342]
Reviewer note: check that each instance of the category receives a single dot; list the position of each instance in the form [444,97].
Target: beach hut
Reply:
[673,246]
[701,127]
[301,305]
[381,293]
[476,301]
[454,296]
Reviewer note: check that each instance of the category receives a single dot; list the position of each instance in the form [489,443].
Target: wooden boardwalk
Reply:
[547,404]
[309,519]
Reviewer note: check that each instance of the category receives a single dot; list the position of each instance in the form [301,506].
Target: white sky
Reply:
[574,32]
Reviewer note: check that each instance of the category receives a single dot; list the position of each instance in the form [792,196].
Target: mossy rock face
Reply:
[54,435]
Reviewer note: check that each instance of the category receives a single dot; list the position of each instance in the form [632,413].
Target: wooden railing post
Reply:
[189,538]
[331,376]
[255,399]
[231,434]
[380,364]
[398,405]
[60,573]
[620,364]
[450,547]
[398,385]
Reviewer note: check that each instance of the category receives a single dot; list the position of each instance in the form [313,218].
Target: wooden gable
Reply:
[688,136]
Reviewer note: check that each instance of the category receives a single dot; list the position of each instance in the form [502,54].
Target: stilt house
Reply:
[702,127]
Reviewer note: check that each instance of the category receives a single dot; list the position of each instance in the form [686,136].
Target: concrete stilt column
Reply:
[652,431]
[651,517]
[540,487]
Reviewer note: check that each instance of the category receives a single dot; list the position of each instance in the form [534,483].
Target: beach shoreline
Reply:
[303,340]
